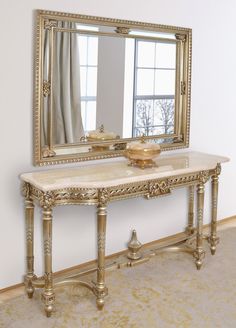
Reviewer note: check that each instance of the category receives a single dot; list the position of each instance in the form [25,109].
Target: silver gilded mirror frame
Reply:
[46,154]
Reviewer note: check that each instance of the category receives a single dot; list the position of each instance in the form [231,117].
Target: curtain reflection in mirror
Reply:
[67,120]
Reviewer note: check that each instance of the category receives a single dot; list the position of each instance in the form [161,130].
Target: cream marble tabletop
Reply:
[116,173]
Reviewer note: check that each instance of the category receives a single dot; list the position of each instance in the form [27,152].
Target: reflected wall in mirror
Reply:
[101,83]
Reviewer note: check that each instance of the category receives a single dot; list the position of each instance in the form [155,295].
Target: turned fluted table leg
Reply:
[199,252]
[190,227]
[213,239]
[100,288]
[48,295]
[29,217]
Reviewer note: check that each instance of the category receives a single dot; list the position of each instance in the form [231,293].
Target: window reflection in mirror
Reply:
[154,89]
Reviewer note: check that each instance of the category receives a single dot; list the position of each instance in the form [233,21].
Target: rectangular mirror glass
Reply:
[101,83]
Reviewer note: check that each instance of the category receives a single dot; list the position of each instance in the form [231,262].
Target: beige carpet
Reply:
[167,291]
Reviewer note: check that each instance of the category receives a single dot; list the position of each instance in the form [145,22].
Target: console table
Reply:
[102,183]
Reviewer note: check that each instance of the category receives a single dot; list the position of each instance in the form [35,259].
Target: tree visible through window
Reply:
[154,91]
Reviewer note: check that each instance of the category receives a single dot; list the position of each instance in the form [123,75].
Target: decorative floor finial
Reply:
[134,246]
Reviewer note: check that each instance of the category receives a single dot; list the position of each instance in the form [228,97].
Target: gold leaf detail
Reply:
[204,176]
[103,196]
[48,24]
[122,30]
[47,200]
[26,190]
[158,188]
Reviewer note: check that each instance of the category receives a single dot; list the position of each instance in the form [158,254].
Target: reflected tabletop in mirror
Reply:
[130,78]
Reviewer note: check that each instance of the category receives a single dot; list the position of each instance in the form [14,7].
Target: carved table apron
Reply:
[101,183]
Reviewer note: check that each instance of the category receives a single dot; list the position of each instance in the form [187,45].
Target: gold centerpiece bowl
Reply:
[142,154]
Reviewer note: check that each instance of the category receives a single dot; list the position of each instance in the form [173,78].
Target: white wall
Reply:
[212,127]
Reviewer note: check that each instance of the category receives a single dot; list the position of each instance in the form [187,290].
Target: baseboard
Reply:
[90,266]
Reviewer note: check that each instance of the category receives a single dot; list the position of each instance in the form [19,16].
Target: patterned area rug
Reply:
[165,292]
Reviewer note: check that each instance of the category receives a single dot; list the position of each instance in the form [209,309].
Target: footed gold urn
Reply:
[142,154]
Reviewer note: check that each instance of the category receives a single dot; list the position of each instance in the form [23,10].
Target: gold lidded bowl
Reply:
[142,154]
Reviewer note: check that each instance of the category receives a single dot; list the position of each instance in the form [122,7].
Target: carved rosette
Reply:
[122,30]
[204,176]
[49,24]
[47,152]
[47,200]
[26,190]
[177,139]
[156,189]
[120,146]
[103,196]
[180,37]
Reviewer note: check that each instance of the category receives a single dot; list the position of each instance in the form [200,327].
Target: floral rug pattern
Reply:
[166,292]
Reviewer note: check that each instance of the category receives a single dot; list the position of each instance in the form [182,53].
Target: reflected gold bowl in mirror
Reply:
[101,135]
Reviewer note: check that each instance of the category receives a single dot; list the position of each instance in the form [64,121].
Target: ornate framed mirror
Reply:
[100,83]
